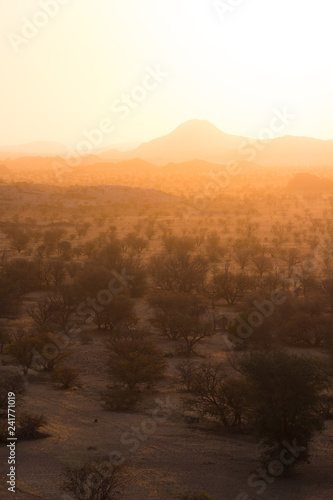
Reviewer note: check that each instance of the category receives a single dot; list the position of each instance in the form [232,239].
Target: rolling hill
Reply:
[195,140]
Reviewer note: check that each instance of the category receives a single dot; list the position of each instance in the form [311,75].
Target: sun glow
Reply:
[232,71]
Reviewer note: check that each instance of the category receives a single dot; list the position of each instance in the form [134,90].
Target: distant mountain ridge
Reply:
[193,140]
[42,148]
[200,140]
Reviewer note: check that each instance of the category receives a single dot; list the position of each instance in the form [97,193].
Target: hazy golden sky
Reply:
[232,68]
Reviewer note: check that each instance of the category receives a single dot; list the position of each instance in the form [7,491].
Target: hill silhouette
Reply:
[198,140]
[307,182]
[42,148]
[193,140]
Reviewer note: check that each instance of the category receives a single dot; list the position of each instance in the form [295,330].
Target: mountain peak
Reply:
[196,126]
[201,140]
[197,123]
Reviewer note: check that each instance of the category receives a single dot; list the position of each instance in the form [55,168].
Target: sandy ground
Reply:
[168,458]
[177,457]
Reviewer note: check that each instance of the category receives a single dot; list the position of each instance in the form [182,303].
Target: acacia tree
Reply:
[305,329]
[134,360]
[118,313]
[111,255]
[262,264]
[194,332]
[180,272]
[94,480]
[51,239]
[231,286]
[243,256]
[20,239]
[23,349]
[48,353]
[135,243]
[10,382]
[285,395]
[54,310]
[41,314]
[218,396]
[292,257]
[65,376]
[52,273]
[63,305]
[172,310]
[181,316]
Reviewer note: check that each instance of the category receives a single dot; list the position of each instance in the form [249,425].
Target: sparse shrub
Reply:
[65,376]
[120,398]
[119,313]
[29,427]
[20,239]
[217,396]
[285,396]
[180,272]
[172,311]
[23,349]
[231,286]
[10,383]
[94,480]
[186,370]
[196,496]
[181,316]
[47,354]
[135,360]
[135,242]
[41,315]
